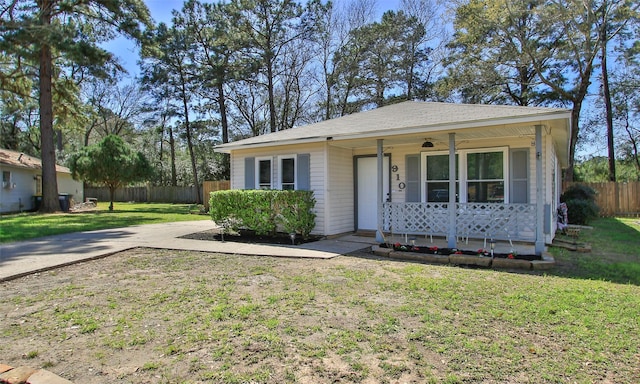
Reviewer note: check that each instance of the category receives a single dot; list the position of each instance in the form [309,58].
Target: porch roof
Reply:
[410,121]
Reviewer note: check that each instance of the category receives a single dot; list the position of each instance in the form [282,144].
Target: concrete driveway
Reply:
[41,254]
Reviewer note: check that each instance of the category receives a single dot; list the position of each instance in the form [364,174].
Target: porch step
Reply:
[366,233]
[571,245]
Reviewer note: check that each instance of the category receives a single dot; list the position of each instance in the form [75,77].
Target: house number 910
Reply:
[394,169]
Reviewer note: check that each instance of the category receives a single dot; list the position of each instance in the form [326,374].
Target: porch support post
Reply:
[379,236]
[452,191]
[539,246]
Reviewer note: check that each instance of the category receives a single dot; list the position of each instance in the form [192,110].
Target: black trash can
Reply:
[37,202]
[65,201]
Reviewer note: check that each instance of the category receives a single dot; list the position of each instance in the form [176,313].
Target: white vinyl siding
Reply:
[340,190]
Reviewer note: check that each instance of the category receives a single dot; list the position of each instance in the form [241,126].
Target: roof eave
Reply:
[554,115]
[227,148]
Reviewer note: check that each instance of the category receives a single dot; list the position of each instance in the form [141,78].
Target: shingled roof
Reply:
[21,160]
[408,117]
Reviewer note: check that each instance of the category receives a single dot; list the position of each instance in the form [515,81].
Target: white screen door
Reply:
[367,193]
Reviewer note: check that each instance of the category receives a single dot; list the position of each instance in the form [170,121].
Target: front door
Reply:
[367,191]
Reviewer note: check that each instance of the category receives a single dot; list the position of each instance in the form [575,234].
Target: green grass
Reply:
[614,256]
[404,322]
[31,225]
[229,318]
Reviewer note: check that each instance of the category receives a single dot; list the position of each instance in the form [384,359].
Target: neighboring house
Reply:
[397,168]
[22,180]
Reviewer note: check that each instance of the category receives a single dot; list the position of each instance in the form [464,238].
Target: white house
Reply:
[441,169]
[22,180]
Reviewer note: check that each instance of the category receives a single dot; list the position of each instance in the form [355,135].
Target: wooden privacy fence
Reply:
[163,194]
[212,186]
[615,199]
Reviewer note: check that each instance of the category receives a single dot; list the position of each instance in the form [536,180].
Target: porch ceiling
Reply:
[440,137]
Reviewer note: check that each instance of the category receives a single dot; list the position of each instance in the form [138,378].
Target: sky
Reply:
[125,50]
[160,10]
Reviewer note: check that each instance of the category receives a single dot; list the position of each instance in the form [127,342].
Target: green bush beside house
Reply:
[581,204]
[264,211]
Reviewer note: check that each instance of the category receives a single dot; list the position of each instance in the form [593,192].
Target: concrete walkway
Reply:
[41,254]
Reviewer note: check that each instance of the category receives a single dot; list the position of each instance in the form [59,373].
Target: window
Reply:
[39,185]
[287,173]
[437,178]
[263,173]
[519,176]
[293,172]
[6,179]
[481,177]
[485,177]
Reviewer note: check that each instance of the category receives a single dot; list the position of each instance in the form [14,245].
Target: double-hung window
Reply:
[437,178]
[264,173]
[486,177]
[287,172]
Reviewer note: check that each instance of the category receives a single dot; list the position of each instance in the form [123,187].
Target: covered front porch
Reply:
[453,215]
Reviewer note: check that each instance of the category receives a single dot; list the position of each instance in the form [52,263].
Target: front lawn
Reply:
[30,225]
[165,316]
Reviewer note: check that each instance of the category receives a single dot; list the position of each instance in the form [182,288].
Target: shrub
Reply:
[264,211]
[295,211]
[581,204]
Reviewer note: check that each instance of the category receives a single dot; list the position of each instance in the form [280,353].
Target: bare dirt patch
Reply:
[161,316]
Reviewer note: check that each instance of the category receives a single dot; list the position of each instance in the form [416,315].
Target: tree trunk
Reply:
[575,115]
[172,149]
[607,100]
[192,155]
[50,202]
[272,104]
[634,143]
[223,113]
[112,194]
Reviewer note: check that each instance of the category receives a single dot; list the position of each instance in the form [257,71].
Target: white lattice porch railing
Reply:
[475,220]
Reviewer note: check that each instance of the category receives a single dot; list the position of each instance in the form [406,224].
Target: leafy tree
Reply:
[379,58]
[487,63]
[111,163]
[46,34]
[614,19]
[563,53]
[216,52]
[596,170]
[167,63]
[552,43]
[428,13]
[270,27]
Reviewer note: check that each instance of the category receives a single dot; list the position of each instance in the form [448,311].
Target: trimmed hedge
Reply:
[264,211]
